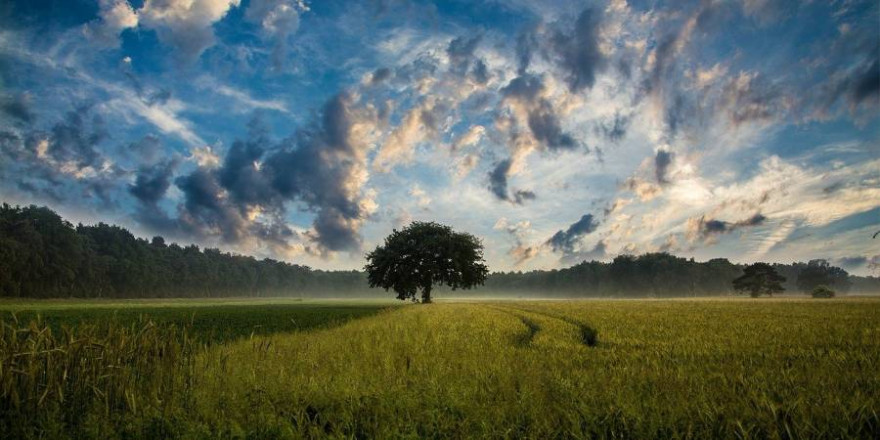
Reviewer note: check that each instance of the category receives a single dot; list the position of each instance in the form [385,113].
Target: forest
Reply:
[44,256]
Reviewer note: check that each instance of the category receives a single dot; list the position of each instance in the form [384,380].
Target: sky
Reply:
[556,132]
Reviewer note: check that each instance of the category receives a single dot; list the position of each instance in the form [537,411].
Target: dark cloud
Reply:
[578,52]
[76,137]
[710,227]
[498,184]
[205,212]
[543,120]
[64,162]
[461,51]
[661,165]
[614,130]
[241,174]
[147,151]
[565,241]
[151,183]
[521,196]
[480,72]
[852,262]
[526,44]
[381,74]
[498,179]
[18,108]
[866,83]
[319,167]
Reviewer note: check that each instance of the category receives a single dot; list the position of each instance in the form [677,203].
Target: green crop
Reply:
[528,369]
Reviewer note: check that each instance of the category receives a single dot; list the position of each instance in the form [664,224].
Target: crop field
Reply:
[733,368]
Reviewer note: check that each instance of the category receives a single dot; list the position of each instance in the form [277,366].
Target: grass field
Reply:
[521,369]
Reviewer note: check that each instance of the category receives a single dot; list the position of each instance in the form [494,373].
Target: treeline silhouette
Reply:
[44,256]
[664,275]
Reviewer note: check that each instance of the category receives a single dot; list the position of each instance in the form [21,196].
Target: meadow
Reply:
[720,368]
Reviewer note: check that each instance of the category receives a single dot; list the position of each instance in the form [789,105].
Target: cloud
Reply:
[379,75]
[469,138]
[205,211]
[706,228]
[852,262]
[244,101]
[18,107]
[498,179]
[185,25]
[661,166]
[498,184]
[578,52]
[205,156]
[65,161]
[565,241]
[615,130]
[461,51]
[151,183]
[278,19]
[527,98]
[115,17]
[519,232]
[147,151]
[419,124]
[325,167]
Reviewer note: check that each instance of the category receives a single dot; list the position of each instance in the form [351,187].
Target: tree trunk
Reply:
[426,294]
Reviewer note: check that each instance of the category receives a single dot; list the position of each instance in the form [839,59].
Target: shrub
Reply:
[823,291]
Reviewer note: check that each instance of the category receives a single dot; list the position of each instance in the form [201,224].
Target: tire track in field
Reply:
[526,339]
[588,335]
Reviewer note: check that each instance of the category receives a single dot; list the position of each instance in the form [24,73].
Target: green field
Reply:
[733,368]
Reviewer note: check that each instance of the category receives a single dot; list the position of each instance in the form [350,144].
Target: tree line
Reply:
[45,256]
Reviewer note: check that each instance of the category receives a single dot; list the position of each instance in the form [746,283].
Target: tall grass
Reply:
[88,379]
[592,369]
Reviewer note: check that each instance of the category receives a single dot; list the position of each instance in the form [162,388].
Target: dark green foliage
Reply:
[655,274]
[819,273]
[42,255]
[823,291]
[759,279]
[425,254]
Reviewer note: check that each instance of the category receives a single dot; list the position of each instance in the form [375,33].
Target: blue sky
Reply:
[555,131]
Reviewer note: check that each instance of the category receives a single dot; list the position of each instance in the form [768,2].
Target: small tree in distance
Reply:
[759,279]
[425,254]
[823,291]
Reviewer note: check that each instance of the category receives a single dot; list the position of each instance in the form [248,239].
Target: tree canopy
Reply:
[759,279]
[821,273]
[425,254]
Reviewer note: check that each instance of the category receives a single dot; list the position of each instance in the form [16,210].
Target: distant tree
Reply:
[818,273]
[823,292]
[425,254]
[759,279]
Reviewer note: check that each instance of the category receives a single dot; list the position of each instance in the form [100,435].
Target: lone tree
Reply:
[759,279]
[823,291]
[425,254]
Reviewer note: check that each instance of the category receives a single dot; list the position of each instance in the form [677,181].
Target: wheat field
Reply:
[503,369]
